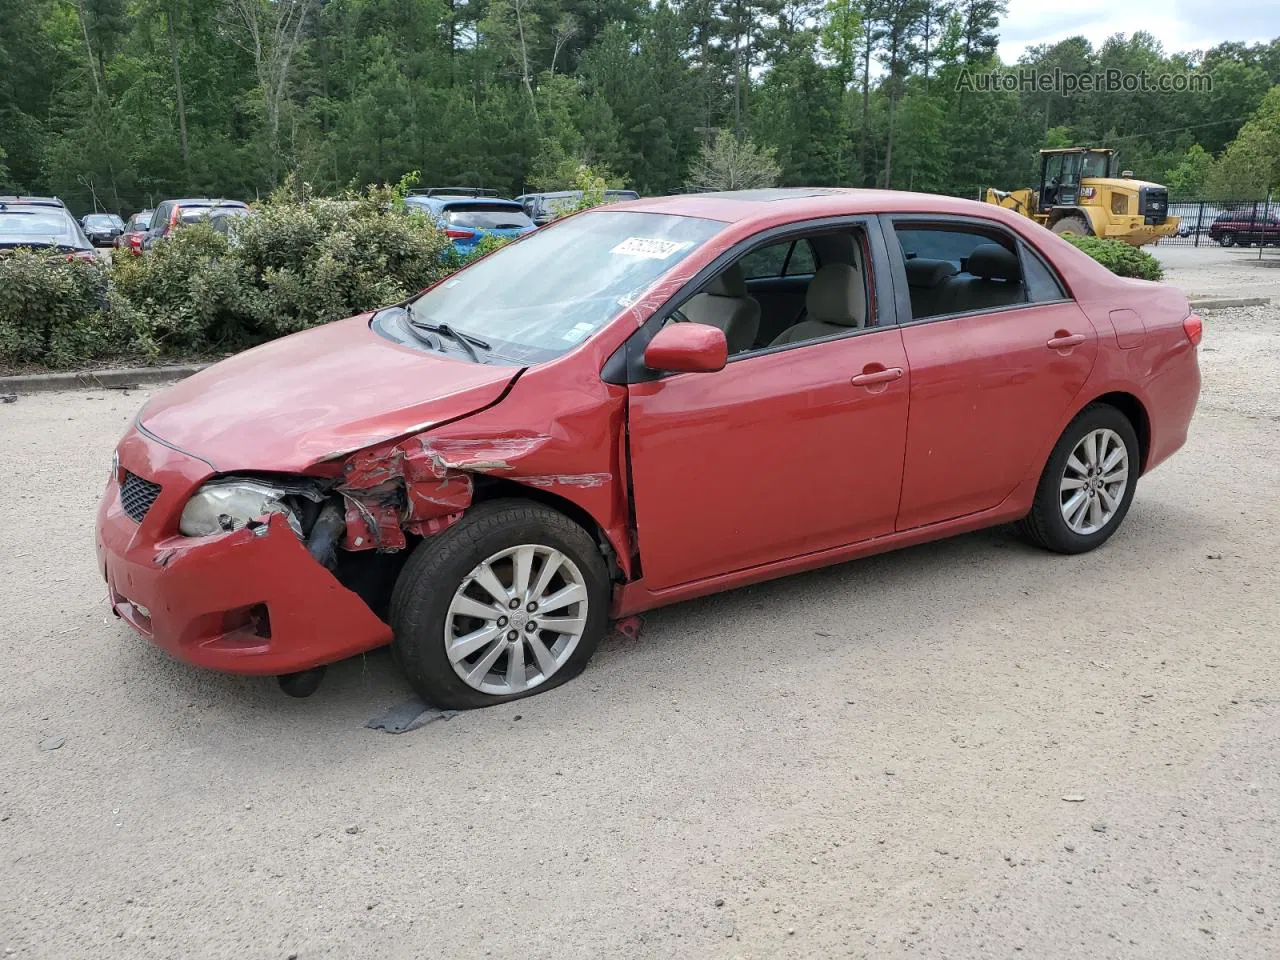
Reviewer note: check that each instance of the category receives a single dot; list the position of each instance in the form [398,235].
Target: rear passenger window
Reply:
[958,269]
[1042,283]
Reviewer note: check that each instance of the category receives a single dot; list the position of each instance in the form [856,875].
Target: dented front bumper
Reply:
[251,601]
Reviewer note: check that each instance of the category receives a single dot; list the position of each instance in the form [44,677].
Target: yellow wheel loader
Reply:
[1080,194]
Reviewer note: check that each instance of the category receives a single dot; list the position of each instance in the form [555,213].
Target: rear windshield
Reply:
[195,214]
[486,216]
[37,224]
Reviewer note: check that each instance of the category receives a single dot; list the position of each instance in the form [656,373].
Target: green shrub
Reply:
[297,262]
[56,311]
[485,246]
[1119,257]
[190,292]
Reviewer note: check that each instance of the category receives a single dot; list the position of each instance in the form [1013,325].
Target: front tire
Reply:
[510,601]
[1228,239]
[1086,487]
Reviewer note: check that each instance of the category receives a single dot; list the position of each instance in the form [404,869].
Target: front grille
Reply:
[1153,204]
[137,495]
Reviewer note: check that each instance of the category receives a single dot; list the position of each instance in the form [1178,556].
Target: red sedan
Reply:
[131,239]
[631,407]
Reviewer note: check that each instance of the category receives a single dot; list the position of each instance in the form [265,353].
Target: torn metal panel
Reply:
[420,483]
[373,524]
[482,455]
[567,480]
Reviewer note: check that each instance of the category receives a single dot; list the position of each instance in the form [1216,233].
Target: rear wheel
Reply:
[510,601]
[1227,239]
[1087,485]
[1073,226]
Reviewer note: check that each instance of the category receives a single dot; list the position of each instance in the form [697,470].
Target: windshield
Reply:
[491,216]
[99,220]
[537,299]
[1095,165]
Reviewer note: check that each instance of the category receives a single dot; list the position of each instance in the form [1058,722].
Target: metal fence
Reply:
[1219,223]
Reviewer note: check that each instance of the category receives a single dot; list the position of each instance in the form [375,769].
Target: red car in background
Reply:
[633,406]
[169,215]
[130,241]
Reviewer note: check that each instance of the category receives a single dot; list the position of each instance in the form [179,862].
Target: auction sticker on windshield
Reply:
[649,248]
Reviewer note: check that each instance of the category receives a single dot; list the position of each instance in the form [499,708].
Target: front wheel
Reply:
[1228,239]
[1087,485]
[509,601]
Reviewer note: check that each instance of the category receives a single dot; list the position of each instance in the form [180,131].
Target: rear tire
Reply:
[469,658]
[1228,239]
[1059,520]
[1072,226]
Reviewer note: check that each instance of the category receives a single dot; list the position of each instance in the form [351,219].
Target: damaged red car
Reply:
[634,406]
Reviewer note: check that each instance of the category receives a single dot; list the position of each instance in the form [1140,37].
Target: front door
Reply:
[777,455]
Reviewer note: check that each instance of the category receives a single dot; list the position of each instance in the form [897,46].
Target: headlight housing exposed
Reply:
[223,505]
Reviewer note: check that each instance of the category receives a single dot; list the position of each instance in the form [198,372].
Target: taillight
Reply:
[1193,327]
[457,234]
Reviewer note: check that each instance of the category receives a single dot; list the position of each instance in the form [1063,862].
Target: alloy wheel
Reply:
[1093,481]
[516,619]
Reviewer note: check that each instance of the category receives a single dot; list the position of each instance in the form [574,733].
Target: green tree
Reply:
[1250,167]
[728,163]
[1187,180]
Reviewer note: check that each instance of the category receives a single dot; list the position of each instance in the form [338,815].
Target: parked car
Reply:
[631,407]
[102,228]
[130,241]
[468,217]
[1245,227]
[172,214]
[542,208]
[42,223]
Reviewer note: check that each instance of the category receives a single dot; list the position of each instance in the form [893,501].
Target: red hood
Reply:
[314,395]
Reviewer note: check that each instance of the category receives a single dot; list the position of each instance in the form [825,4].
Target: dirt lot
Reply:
[868,761]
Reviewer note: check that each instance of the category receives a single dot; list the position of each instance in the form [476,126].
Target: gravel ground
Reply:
[866,761]
[1213,271]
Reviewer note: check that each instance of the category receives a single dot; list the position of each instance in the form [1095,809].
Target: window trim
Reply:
[899,270]
[626,364]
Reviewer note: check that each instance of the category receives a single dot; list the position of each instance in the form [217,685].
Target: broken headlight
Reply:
[224,505]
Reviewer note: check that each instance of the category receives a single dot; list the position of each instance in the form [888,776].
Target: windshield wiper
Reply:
[468,342]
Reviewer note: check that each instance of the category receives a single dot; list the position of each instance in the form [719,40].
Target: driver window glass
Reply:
[765,262]
[802,262]
[756,315]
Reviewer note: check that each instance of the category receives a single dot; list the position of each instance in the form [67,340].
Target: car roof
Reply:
[34,201]
[784,204]
[441,201]
[206,201]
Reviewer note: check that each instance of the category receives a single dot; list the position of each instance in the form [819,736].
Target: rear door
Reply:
[989,386]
